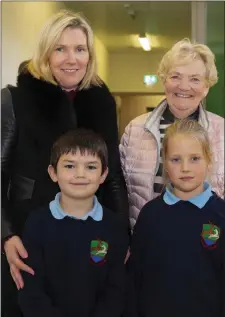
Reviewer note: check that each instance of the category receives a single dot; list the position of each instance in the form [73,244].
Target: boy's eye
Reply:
[92,167]
[69,166]
[196,158]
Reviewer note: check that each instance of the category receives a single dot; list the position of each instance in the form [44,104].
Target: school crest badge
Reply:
[99,250]
[210,234]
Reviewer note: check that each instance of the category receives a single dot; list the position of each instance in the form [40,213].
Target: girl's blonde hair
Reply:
[185,52]
[39,65]
[186,127]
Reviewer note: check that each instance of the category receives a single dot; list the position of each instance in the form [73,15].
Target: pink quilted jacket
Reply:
[139,150]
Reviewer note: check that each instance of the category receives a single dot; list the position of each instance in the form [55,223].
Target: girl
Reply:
[177,262]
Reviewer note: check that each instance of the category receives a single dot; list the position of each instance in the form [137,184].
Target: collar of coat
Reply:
[50,102]
[153,119]
[41,87]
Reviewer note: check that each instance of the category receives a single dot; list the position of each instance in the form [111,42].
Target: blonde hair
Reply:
[184,52]
[186,127]
[39,65]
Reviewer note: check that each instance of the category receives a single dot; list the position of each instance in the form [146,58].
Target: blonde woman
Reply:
[177,262]
[187,72]
[58,90]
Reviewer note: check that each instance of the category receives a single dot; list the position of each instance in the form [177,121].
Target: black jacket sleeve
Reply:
[33,299]
[8,141]
[104,122]
[111,300]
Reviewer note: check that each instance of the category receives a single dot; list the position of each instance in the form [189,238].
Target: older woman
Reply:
[59,89]
[187,72]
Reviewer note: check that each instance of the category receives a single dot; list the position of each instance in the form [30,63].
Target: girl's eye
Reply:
[195,158]
[175,160]
[174,77]
[69,166]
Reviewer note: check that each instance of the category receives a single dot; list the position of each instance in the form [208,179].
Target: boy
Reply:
[75,246]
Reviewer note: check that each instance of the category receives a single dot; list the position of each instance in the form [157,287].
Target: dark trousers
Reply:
[9,303]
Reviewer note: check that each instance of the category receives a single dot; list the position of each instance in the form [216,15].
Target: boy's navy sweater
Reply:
[67,282]
[172,273]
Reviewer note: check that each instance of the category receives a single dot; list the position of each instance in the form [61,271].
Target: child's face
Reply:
[78,176]
[186,165]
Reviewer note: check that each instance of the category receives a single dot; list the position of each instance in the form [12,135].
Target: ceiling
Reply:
[164,22]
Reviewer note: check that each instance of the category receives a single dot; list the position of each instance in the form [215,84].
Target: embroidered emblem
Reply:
[99,250]
[210,234]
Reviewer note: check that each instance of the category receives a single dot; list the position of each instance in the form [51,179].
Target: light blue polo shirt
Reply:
[95,213]
[199,200]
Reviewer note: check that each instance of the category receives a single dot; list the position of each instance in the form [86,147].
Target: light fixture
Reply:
[145,43]
[150,80]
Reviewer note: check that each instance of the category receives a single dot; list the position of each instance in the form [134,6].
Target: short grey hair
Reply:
[184,52]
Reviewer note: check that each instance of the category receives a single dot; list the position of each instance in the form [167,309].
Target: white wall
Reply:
[21,24]
[127,70]
[102,59]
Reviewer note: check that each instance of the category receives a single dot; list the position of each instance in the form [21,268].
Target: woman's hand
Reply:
[15,250]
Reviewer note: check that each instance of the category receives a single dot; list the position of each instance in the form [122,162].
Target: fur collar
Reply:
[48,106]
[41,90]
[44,108]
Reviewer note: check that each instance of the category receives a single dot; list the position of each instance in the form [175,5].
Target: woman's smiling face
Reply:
[185,87]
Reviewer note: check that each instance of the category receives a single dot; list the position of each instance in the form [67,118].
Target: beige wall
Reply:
[132,106]
[102,59]
[21,24]
[126,71]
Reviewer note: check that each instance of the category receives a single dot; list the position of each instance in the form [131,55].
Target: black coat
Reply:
[40,112]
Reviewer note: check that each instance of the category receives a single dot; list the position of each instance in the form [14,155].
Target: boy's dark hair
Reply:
[86,141]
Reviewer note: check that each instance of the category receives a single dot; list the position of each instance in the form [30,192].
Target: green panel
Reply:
[215,40]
